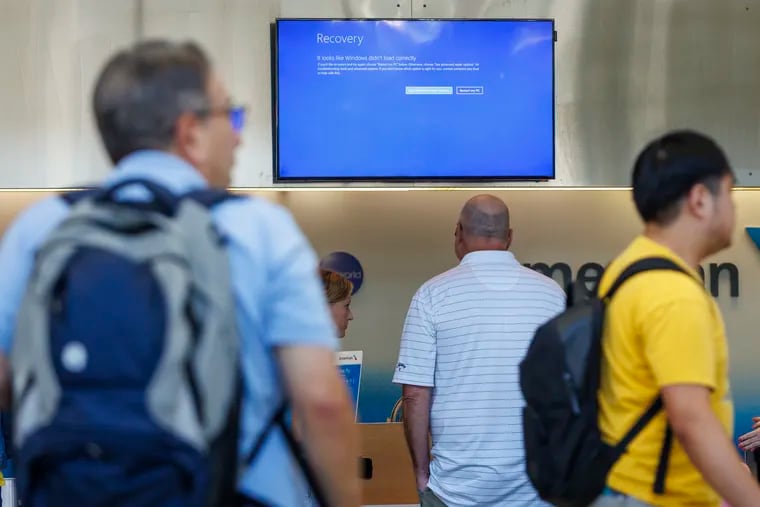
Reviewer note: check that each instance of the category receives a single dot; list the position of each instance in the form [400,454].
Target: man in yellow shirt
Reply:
[664,336]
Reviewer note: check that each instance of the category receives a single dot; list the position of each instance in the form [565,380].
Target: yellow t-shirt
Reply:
[661,328]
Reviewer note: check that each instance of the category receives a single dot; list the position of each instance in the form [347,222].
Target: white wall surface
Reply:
[625,71]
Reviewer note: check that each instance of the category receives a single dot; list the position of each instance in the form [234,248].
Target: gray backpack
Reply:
[125,360]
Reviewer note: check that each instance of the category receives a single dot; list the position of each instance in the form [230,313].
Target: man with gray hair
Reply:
[169,125]
[464,336]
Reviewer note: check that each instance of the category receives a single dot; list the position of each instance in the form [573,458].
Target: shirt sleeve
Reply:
[559,301]
[679,342]
[416,359]
[297,311]
[17,250]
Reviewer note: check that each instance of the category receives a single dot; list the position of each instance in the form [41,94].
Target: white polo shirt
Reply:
[465,334]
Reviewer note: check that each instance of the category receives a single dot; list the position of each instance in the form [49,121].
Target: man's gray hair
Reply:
[142,91]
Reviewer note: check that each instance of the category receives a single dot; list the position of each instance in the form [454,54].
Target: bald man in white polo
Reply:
[465,333]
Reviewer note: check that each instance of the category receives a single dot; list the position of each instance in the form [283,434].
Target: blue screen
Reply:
[420,99]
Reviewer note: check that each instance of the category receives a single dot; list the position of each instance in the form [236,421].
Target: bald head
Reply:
[485,216]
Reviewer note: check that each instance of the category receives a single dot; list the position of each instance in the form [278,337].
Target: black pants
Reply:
[430,499]
[246,501]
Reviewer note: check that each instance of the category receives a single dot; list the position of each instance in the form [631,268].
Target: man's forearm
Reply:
[331,442]
[711,452]
[417,401]
[324,419]
[703,437]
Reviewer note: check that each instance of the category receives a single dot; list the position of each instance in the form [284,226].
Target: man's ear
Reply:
[187,141]
[699,201]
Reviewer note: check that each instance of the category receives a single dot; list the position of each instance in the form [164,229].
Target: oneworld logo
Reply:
[345,264]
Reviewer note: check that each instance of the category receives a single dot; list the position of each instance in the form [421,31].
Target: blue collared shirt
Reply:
[279,298]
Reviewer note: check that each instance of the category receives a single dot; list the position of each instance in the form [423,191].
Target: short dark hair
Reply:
[142,91]
[669,167]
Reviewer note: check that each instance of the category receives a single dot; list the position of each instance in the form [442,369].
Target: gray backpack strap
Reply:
[36,391]
[212,310]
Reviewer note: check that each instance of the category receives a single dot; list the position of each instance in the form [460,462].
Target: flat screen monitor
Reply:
[396,99]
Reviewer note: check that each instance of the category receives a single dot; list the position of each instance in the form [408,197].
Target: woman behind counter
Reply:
[338,291]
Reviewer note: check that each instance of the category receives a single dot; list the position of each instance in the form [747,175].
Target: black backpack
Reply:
[567,461]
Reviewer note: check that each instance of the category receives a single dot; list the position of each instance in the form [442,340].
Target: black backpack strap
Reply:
[662,465]
[6,422]
[308,472]
[73,197]
[161,199]
[278,420]
[652,411]
[210,197]
[667,443]
[259,443]
[640,266]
